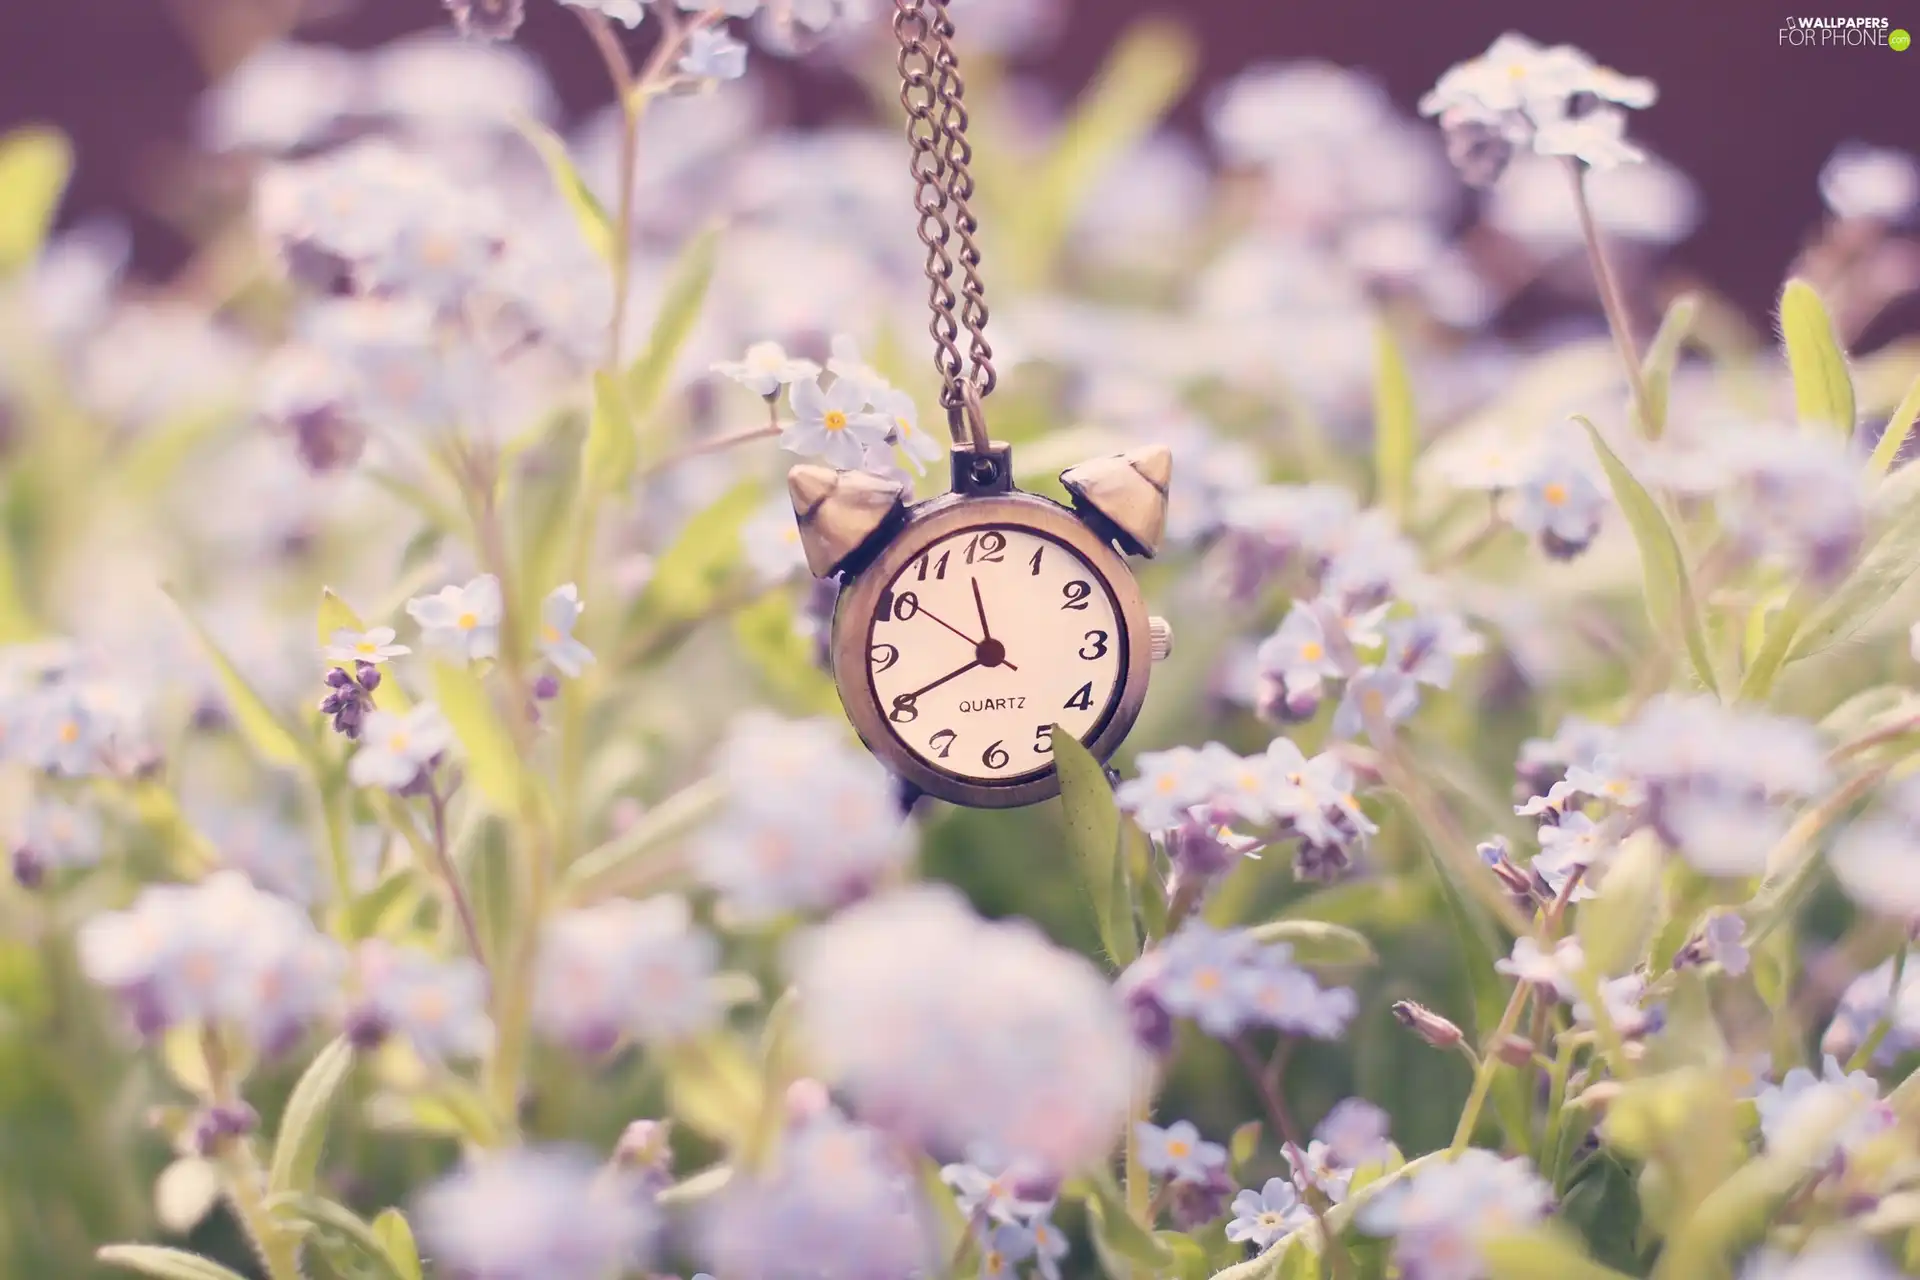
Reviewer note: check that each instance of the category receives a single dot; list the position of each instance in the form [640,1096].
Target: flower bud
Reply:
[338,678]
[1427,1024]
[29,868]
[368,675]
[547,687]
[645,1145]
[1515,1051]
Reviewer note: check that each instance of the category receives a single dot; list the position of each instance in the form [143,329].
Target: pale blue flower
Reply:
[1865,1003]
[401,376]
[849,365]
[1575,843]
[1276,994]
[59,835]
[1169,783]
[1833,1256]
[1623,999]
[1606,778]
[1002,1196]
[1178,1151]
[262,845]
[1355,1132]
[1049,1244]
[1560,504]
[558,616]
[1439,1215]
[1298,652]
[560,290]
[1597,138]
[440,255]
[60,733]
[1723,942]
[628,13]
[1552,970]
[1377,693]
[1200,981]
[832,424]
[396,746]
[461,622]
[1427,646]
[712,54]
[771,542]
[1842,1107]
[1262,1217]
[439,1007]
[903,424]
[625,969]
[766,367]
[374,645]
[1316,1167]
[536,1213]
[283,96]
[1002,1250]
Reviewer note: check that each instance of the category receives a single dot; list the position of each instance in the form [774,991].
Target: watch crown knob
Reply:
[1160,638]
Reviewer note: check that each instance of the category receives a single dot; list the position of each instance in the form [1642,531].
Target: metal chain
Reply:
[932,92]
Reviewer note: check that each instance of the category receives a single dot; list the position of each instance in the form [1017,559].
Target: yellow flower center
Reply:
[1516,71]
[835,420]
[467,621]
[429,1006]
[1166,784]
[397,742]
[1555,494]
[1207,979]
[1178,1149]
[366,646]
[70,731]
[1249,780]
[906,428]
[1312,651]
[1374,701]
[550,633]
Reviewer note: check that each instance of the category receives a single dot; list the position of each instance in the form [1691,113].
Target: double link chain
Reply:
[933,93]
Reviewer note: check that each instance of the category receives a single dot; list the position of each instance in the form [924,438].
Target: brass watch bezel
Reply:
[927,523]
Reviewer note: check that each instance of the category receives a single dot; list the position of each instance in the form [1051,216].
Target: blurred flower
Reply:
[811,823]
[1439,1215]
[1596,139]
[1178,1151]
[1559,504]
[1649,203]
[1873,857]
[836,1201]
[535,1214]
[439,1007]
[1832,1256]
[374,645]
[1426,646]
[151,363]
[70,288]
[1355,1133]
[461,622]
[771,541]
[1820,1115]
[1226,982]
[1797,496]
[282,97]
[1553,970]
[397,747]
[1623,998]
[765,369]
[55,836]
[559,614]
[896,408]
[954,1031]
[833,424]
[1012,1193]
[712,55]
[1871,183]
[1316,1169]
[1379,695]
[627,13]
[1262,1217]
[487,19]
[1870,998]
[439,84]
[622,968]
[220,953]
[278,856]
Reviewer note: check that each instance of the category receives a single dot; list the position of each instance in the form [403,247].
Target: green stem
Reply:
[1863,1056]
[1612,301]
[1791,869]
[245,1179]
[1268,1080]
[443,867]
[1489,1064]
[1139,1188]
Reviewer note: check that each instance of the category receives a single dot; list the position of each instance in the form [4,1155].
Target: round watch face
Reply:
[984,641]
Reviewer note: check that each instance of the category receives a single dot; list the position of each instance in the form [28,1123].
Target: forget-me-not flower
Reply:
[1262,1217]
[766,366]
[396,746]
[558,616]
[832,423]
[374,645]
[712,54]
[461,621]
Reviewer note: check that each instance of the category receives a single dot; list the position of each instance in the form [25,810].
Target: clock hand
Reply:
[909,698]
[991,653]
[949,626]
[986,632]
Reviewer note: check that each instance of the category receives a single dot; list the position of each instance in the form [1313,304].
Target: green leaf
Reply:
[1115,1227]
[1396,431]
[396,1238]
[303,1126]
[1663,355]
[714,1087]
[1093,827]
[1775,645]
[387,905]
[1822,386]
[1616,927]
[1898,427]
[768,637]
[595,226]
[491,760]
[339,1226]
[164,1264]
[1316,943]
[691,573]
[1889,565]
[265,731]
[1149,69]
[612,450]
[1242,1145]
[1545,1254]
[600,872]
[686,293]
[1669,591]
[1189,1258]
[35,164]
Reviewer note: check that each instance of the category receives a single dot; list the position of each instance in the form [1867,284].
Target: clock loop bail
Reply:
[967,421]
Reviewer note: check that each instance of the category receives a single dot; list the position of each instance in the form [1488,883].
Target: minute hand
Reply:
[951,675]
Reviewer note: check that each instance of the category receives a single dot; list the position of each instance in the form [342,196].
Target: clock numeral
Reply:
[987,546]
[905,605]
[1035,562]
[1082,699]
[1043,740]
[944,741]
[939,566]
[1097,641]
[885,655]
[905,712]
[995,757]
[1076,593]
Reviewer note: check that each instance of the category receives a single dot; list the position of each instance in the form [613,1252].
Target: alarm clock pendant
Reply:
[969,625]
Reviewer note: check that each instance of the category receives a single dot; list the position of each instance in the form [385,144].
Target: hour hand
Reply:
[928,688]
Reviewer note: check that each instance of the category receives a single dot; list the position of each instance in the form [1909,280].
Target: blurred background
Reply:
[1750,121]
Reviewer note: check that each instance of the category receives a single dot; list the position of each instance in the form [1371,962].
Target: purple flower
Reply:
[1439,1215]
[1178,1151]
[534,1214]
[1262,1217]
[1560,504]
[1355,1132]
[1380,694]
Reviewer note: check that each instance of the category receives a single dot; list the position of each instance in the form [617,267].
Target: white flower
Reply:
[732,8]
[1870,182]
[713,55]
[831,424]
[395,748]
[1554,970]
[1598,138]
[766,368]
[1517,75]
[903,421]
[627,13]
[463,622]
[557,618]
[848,364]
[374,645]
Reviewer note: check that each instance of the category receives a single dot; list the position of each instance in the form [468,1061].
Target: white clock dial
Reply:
[985,641]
